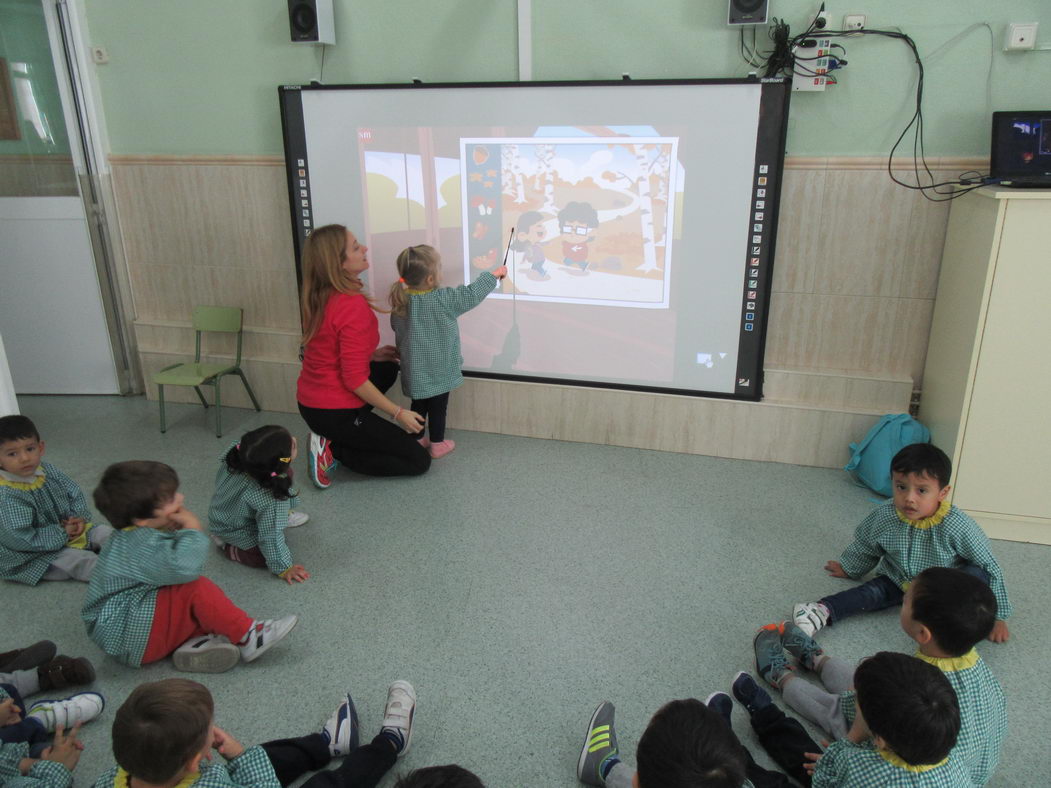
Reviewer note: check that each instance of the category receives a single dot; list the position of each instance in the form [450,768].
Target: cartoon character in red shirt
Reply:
[576,222]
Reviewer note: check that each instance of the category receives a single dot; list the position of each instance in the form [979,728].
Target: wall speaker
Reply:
[310,22]
[747,12]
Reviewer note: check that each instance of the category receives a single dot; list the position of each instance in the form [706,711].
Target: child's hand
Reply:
[835,568]
[74,526]
[385,353]
[64,749]
[500,272]
[296,573]
[999,633]
[9,712]
[183,519]
[225,744]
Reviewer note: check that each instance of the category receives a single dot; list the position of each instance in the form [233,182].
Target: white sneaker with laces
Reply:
[67,712]
[399,712]
[341,730]
[265,634]
[296,518]
[810,616]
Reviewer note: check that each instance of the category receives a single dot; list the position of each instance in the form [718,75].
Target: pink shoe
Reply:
[425,442]
[442,448]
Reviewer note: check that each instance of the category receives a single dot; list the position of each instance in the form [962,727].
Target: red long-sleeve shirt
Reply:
[336,360]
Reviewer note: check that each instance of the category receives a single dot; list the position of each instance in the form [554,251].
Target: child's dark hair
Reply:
[14,428]
[265,454]
[581,212]
[957,607]
[688,745]
[160,727]
[134,490]
[923,459]
[523,225]
[910,704]
[451,776]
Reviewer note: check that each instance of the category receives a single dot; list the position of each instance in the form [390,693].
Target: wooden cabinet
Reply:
[987,378]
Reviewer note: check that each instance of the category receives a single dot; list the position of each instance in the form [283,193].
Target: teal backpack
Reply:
[870,460]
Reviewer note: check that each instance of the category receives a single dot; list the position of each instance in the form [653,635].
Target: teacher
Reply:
[345,373]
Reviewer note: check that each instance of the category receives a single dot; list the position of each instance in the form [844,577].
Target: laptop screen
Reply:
[1021,147]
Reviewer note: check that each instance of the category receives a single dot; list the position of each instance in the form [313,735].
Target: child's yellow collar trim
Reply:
[894,760]
[419,292]
[123,779]
[34,482]
[927,522]
[949,664]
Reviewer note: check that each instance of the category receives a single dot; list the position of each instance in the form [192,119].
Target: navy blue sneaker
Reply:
[341,730]
[770,660]
[749,694]
[720,702]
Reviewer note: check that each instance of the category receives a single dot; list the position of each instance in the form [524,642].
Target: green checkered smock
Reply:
[983,712]
[849,765]
[428,336]
[901,549]
[42,774]
[245,515]
[122,593]
[31,514]
[250,769]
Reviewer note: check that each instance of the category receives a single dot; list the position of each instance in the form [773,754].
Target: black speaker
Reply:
[747,12]
[310,22]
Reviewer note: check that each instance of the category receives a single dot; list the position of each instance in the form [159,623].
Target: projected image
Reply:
[592,217]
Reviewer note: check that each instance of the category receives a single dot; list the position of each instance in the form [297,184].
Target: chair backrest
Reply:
[226,319]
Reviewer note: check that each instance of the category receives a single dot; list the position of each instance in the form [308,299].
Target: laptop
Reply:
[1021,149]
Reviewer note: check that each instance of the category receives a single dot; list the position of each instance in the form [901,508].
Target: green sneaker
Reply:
[800,645]
[600,744]
[770,661]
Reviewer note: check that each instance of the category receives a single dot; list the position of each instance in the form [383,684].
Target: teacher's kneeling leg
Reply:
[377,447]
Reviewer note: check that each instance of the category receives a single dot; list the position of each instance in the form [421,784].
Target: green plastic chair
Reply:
[224,319]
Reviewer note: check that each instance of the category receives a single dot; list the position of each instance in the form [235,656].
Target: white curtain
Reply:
[8,402]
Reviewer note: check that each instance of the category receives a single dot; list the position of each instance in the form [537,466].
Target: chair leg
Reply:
[160,399]
[218,408]
[248,388]
[200,396]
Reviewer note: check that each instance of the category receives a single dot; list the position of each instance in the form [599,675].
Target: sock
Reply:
[607,766]
[825,609]
[395,737]
[27,682]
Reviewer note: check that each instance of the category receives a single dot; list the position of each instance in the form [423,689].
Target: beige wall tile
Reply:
[800,231]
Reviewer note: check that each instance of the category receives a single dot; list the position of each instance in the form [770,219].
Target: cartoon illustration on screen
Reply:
[592,215]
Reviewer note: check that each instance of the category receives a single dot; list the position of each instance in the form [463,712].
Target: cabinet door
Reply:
[1007,439]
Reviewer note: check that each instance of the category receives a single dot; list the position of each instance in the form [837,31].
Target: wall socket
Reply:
[854,22]
[1020,35]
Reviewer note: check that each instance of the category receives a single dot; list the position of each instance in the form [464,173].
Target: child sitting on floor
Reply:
[946,611]
[903,729]
[53,768]
[46,531]
[165,731]
[251,506]
[900,539]
[147,598]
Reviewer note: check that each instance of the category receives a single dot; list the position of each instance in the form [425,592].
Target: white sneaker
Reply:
[264,634]
[399,712]
[810,616]
[296,519]
[206,654]
[67,712]
[341,730]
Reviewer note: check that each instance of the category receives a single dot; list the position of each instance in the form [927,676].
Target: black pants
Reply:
[784,740]
[363,441]
[433,410]
[363,768]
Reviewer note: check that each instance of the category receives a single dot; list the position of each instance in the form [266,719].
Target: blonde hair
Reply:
[415,265]
[322,265]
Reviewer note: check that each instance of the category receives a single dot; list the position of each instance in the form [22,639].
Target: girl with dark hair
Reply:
[251,507]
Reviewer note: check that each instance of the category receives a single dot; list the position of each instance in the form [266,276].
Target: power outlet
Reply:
[811,71]
[100,56]
[854,22]
[1020,35]
[821,21]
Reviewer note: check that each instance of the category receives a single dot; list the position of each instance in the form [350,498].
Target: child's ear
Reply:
[921,634]
[944,492]
[635,780]
[42,447]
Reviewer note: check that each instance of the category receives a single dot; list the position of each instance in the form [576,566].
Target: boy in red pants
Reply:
[146,598]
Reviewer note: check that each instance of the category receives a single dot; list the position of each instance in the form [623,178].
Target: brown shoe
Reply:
[62,672]
[28,657]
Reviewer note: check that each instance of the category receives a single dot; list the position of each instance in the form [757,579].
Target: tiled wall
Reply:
[853,294]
